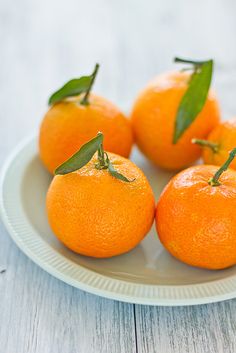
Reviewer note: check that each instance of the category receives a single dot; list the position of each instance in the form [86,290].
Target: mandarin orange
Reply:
[153,121]
[68,125]
[195,216]
[219,142]
[97,215]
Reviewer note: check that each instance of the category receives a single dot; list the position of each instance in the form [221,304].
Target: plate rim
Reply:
[96,283]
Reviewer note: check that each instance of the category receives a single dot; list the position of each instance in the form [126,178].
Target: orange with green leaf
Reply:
[218,143]
[99,204]
[195,216]
[173,109]
[75,116]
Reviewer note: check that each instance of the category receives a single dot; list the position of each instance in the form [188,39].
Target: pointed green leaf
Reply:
[195,97]
[116,174]
[82,157]
[75,87]
[71,88]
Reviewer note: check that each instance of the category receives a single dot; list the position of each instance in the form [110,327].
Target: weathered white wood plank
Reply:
[43,43]
[203,28]
[202,329]
[40,314]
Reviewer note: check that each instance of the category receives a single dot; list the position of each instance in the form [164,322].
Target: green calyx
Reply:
[209,144]
[214,181]
[195,96]
[85,154]
[75,87]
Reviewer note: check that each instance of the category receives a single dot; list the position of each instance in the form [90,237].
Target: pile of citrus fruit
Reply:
[100,203]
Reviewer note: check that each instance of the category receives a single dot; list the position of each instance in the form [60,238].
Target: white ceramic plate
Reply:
[146,275]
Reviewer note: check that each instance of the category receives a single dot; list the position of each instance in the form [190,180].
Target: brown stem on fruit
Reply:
[205,143]
[214,181]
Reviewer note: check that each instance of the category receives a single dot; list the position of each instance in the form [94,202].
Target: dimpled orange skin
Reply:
[225,135]
[97,215]
[196,222]
[153,120]
[68,125]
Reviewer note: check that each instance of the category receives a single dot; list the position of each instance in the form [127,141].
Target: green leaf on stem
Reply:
[75,87]
[85,154]
[82,157]
[195,97]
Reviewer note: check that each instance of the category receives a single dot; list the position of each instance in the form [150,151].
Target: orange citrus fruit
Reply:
[220,141]
[68,125]
[195,218]
[97,215]
[153,120]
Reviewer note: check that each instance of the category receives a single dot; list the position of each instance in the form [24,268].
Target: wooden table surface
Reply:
[44,43]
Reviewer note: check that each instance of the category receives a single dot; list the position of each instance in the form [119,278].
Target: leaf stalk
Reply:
[214,181]
[205,143]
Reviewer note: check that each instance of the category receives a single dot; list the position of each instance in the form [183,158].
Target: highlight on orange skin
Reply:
[153,120]
[68,125]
